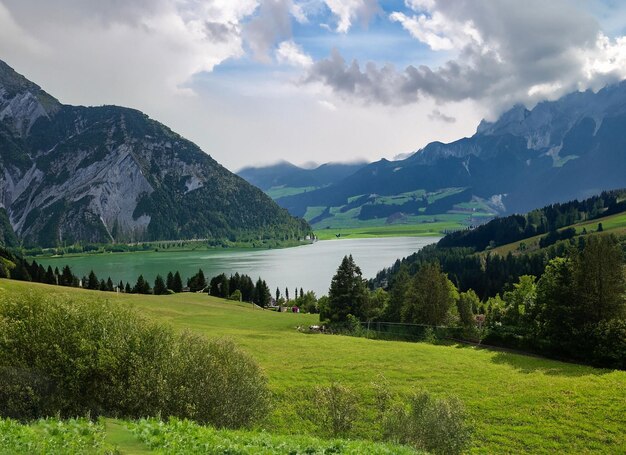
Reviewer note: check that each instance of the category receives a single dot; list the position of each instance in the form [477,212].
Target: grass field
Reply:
[277,192]
[613,224]
[412,226]
[518,404]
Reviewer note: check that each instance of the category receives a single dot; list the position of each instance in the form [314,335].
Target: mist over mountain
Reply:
[286,174]
[570,148]
[111,174]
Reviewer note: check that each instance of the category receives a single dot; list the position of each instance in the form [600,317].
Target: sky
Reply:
[257,81]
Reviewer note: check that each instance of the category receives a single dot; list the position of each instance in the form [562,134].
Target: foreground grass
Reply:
[108,436]
[518,403]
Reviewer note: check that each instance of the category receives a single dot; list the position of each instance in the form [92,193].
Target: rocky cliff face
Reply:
[103,174]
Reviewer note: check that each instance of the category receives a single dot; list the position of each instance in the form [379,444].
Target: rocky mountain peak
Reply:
[22,102]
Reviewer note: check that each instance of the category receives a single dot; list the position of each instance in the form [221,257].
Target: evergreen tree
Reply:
[92,281]
[197,282]
[177,283]
[41,273]
[277,294]
[159,286]
[347,293]
[49,277]
[127,288]
[66,278]
[142,286]
[220,286]
[110,286]
[170,280]
[287,294]
[262,293]
[559,316]
[120,286]
[599,274]
[102,286]
[301,293]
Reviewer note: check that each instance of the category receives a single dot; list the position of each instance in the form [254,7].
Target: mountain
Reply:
[285,174]
[560,150]
[111,174]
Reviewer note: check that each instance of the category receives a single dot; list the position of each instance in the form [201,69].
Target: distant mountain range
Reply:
[560,150]
[284,174]
[111,174]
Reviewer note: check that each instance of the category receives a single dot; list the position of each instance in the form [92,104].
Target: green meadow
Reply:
[517,403]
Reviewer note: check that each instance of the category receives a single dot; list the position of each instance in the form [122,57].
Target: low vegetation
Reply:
[515,403]
[71,357]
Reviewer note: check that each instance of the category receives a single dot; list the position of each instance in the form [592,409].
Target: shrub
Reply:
[435,425]
[216,383]
[237,296]
[72,357]
[336,408]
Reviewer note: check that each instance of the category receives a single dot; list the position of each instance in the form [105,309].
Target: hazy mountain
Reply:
[102,174]
[285,174]
[570,148]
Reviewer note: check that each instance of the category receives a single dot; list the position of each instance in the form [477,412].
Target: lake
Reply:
[310,267]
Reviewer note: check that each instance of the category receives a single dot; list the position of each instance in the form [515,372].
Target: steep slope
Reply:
[560,150]
[103,174]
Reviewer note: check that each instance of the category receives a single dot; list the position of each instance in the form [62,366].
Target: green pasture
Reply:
[613,224]
[518,403]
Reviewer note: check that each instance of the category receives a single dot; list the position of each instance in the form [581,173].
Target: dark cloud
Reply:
[506,52]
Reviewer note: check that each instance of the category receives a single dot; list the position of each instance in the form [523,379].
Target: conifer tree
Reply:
[347,293]
[177,283]
[142,286]
[92,281]
[159,286]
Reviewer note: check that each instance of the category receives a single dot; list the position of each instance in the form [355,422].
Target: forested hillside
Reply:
[74,174]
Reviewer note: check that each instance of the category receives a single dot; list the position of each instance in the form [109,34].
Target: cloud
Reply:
[327,105]
[349,11]
[503,52]
[290,53]
[142,47]
[437,116]
[270,25]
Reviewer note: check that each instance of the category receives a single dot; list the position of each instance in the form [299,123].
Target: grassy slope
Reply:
[518,403]
[613,224]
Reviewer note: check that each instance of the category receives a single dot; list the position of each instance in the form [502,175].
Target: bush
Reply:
[336,409]
[435,425]
[71,357]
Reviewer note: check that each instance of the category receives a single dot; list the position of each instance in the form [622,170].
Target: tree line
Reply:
[502,231]
[239,287]
[575,309]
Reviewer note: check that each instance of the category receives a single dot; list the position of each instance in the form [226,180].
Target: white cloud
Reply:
[327,105]
[290,53]
[437,31]
[503,53]
[349,11]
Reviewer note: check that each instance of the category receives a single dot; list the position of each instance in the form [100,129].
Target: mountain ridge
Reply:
[559,150]
[111,174]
